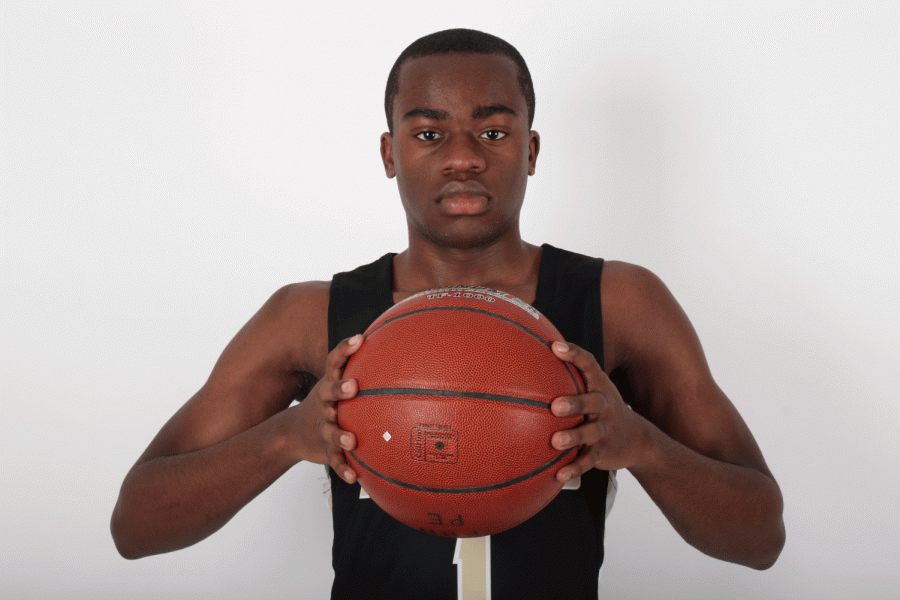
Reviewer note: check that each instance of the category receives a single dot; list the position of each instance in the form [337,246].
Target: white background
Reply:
[164,167]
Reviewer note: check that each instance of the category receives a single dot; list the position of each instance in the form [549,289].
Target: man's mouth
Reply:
[464,198]
[464,205]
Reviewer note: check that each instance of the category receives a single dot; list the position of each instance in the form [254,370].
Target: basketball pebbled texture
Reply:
[452,417]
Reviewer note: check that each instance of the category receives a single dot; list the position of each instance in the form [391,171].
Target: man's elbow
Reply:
[765,542]
[760,539]
[774,548]
[124,544]
[771,530]
[128,552]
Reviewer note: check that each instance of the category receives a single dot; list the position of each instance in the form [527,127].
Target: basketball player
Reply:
[459,106]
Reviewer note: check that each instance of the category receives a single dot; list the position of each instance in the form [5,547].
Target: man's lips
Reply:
[464,205]
[463,198]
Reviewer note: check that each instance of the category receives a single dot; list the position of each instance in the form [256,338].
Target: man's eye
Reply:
[494,134]
[428,136]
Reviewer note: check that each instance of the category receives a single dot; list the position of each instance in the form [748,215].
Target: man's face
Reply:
[461,149]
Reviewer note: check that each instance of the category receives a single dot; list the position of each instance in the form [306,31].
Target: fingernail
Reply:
[562,346]
[355,339]
[345,440]
[564,440]
[566,475]
[347,387]
[563,406]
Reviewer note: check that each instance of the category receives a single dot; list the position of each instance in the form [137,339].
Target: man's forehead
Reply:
[432,78]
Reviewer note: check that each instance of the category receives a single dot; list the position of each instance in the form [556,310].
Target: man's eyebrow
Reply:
[483,112]
[428,113]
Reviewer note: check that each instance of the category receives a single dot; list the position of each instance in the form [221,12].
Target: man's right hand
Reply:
[239,432]
[318,412]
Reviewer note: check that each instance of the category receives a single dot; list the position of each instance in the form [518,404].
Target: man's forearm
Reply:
[727,511]
[172,502]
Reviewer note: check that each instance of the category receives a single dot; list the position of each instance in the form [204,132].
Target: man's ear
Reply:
[534,146]
[387,155]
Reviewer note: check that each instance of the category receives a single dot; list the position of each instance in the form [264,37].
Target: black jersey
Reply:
[555,554]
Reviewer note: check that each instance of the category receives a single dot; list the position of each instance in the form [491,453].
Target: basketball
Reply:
[452,418]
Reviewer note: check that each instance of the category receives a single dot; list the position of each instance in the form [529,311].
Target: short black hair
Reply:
[457,41]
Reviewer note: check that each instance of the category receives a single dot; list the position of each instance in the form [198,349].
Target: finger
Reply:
[337,358]
[335,391]
[337,462]
[576,468]
[584,361]
[584,404]
[335,436]
[590,432]
[336,441]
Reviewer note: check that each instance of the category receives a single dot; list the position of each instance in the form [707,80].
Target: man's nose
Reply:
[463,153]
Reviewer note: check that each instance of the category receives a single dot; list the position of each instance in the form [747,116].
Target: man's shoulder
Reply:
[632,292]
[622,282]
[639,311]
[293,325]
[302,297]
[624,278]
[309,300]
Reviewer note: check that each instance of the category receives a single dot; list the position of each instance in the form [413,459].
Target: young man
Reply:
[460,105]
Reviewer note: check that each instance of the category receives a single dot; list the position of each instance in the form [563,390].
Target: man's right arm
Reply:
[238,433]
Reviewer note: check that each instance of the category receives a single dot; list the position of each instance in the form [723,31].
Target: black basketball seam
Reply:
[574,379]
[489,313]
[470,490]
[434,392]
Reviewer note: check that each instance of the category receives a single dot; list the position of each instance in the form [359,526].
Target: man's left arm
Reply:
[684,441]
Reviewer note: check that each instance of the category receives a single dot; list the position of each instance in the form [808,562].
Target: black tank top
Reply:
[555,554]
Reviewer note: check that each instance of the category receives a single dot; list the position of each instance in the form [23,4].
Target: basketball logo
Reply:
[434,443]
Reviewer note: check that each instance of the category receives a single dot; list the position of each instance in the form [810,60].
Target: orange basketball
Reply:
[452,417]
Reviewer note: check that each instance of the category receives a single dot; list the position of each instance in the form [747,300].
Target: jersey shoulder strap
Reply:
[568,294]
[358,297]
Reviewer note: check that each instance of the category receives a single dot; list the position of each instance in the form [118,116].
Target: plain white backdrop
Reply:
[165,167]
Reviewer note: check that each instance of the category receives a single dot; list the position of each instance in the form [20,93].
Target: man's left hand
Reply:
[612,435]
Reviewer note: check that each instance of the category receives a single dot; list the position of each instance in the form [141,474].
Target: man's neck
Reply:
[510,266]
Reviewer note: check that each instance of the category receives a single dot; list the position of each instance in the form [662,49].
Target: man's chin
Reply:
[466,240]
